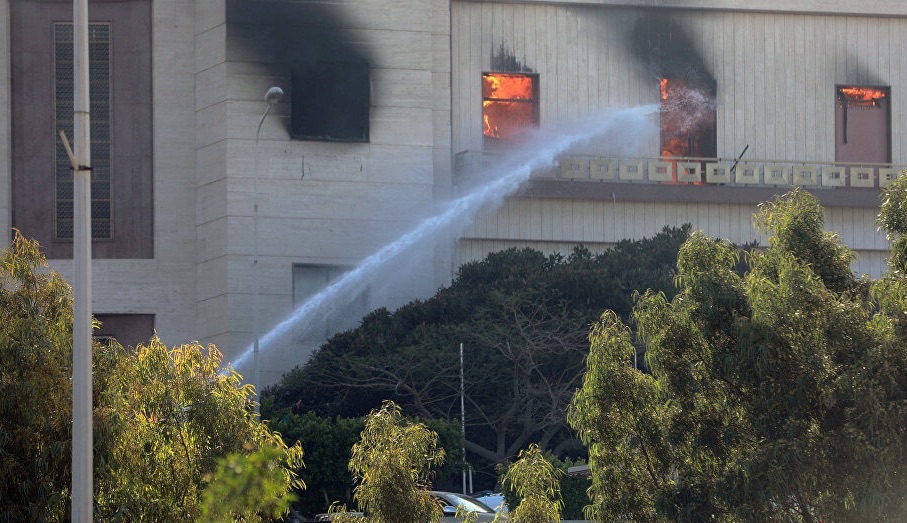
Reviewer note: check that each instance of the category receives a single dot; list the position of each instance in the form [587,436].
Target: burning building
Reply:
[207,211]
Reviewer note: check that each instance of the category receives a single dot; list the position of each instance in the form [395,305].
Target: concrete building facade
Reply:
[222,219]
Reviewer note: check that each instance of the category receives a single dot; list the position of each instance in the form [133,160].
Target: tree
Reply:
[168,416]
[392,465]
[523,318]
[35,387]
[162,417]
[328,446]
[535,481]
[774,396]
[245,486]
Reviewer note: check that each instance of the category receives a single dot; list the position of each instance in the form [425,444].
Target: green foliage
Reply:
[35,387]
[796,222]
[162,418]
[572,488]
[392,464]
[617,415]
[779,395]
[523,318]
[170,415]
[247,486]
[535,481]
[893,220]
[328,445]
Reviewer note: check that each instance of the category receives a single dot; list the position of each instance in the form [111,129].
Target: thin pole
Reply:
[463,417]
[82,439]
[256,365]
[271,97]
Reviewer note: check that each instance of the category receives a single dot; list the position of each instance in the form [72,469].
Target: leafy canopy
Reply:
[35,387]
[536,482]
[780,395]
[164,418]
[523,318]
[392,465]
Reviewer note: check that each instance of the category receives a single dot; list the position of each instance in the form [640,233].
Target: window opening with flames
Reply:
[510,107]
[859,97]
[862,124]
[687,121]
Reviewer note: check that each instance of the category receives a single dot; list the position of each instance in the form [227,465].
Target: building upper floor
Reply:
[752,96]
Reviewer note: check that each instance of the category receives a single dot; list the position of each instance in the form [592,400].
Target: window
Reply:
[330,101]
[510,107]
[40,55]
[340,313]
[99,106]
[128,329]
[687,120]
[862,124]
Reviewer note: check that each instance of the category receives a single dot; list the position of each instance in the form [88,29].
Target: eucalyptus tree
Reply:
[392,466]
[779,395]
[164,417]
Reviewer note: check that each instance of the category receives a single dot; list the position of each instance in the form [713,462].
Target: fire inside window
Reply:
[862,124]
[687,120]
[510,107]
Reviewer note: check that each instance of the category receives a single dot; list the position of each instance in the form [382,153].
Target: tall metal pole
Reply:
[271,97]
[82,426]
[463,417]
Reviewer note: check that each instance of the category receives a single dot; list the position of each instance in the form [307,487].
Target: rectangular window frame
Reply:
[341,314]
[100,41]
[842,105]
[315,92]
[534,101]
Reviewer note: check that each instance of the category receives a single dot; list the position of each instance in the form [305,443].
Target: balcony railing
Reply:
[714,171]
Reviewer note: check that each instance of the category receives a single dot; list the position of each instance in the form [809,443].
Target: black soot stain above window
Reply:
[310,45]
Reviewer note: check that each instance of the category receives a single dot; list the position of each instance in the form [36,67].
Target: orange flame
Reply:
[489,128]
[507,86]
[508,104]
[664,88]
[863,94]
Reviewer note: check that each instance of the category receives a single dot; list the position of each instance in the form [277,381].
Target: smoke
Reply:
[688,108]
[308,45]
[688,89]
[661,44]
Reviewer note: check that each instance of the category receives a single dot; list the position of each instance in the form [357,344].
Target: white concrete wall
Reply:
[830,7]
[556,225]
[210,177]
[319,202]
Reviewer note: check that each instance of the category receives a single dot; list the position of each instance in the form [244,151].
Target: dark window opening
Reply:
[330,101]
[510,107]
[99,107]
[687,120]
[862,124]
[129,330]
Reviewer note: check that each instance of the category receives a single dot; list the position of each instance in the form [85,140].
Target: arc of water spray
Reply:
[541,153]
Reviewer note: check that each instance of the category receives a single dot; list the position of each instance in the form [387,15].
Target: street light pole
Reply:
[271,97]
[82,426]
[463,416]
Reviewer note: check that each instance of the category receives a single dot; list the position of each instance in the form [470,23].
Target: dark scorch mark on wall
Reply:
[661,44]
[310,45]
[504,61]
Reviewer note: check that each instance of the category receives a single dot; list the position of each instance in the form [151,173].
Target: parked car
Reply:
[452,501]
